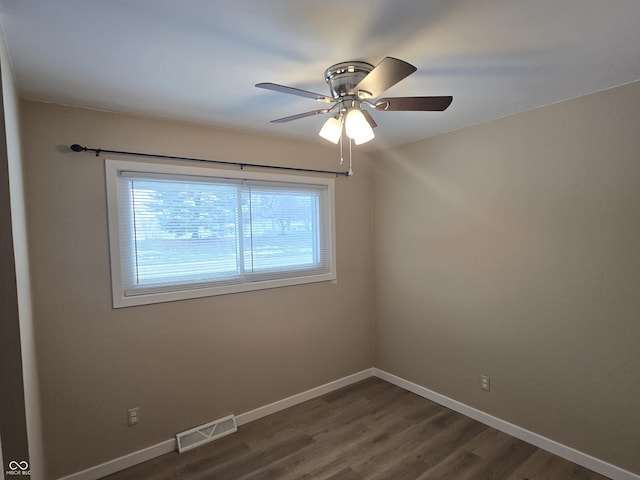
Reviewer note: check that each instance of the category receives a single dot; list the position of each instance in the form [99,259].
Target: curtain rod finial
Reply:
[78,148]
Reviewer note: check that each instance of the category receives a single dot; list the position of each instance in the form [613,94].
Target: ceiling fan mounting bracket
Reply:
[343,77]
[380,105]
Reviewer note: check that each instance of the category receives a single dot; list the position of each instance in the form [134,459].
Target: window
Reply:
[185,232]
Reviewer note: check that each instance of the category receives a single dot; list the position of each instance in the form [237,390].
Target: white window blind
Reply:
[187,232]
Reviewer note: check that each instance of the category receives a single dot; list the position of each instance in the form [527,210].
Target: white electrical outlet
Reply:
[133,417]
[485,383]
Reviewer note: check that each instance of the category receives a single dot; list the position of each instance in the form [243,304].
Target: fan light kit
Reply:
[354,84]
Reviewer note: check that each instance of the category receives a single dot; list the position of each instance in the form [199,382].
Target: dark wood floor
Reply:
[370,430]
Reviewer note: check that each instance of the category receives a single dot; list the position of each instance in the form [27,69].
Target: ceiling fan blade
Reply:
[294,91]
[301,115]
[369,118]
[414,104]
[384,76]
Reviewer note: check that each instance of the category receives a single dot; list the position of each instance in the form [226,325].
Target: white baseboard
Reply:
[274,407]
[587,461]
[126,461]
[575,456]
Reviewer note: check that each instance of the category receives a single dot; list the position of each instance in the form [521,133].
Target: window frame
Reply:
[182,292]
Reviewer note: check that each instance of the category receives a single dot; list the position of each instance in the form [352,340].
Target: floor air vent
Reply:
[206,433]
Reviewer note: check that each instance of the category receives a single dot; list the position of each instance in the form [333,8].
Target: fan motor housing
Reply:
[343,77]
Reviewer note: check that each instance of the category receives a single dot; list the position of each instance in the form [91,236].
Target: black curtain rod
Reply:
[79,148]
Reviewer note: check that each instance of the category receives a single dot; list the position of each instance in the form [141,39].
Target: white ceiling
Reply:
[198,60]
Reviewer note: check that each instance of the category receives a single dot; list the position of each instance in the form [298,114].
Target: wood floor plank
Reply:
[503,463]
[249,464]
[556,468]
[295,465]
[371,430]
[385,445]
[452,467]
[434,449]
[345,474]
[374,443]
[539,465]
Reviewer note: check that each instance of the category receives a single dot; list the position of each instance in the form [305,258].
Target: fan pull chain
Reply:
[350,172]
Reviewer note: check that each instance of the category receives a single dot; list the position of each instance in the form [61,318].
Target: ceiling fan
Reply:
[354,84]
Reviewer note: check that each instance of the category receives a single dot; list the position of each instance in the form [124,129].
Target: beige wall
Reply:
[183,363]
[512,249]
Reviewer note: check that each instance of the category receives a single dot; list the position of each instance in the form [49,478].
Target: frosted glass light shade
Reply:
[357,127]
[331,130]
